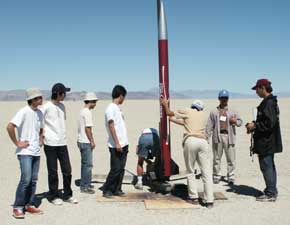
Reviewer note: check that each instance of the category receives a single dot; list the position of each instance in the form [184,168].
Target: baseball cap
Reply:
[197,104]
[32,93]
[224,94]
[261,82]
[59,87]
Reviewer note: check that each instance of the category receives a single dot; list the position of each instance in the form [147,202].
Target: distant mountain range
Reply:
[19,95]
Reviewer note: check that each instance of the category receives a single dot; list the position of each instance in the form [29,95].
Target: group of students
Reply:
[45,125]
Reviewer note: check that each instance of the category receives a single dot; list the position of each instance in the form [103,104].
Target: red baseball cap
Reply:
[261,82]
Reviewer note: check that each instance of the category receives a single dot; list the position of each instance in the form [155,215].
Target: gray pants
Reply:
[196,149]
[230,153]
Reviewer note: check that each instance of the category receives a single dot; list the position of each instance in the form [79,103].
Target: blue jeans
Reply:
[87,164]
[25,193]
[268,169]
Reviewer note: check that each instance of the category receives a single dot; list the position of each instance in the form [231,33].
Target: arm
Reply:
[209,125]
[236,120]
[11,131]
[41,137]
[89,134]
[177,121]
[114,135]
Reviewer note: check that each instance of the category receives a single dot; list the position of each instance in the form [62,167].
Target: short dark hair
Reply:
[268,88]
[119,90]
[54,95]
[90,101]
[29,102]
[194,107]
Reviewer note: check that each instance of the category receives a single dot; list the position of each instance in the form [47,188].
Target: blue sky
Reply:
[94,44]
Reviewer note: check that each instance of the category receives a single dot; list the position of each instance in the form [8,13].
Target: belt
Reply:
[224,132]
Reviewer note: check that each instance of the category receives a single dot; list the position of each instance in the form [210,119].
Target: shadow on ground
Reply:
[244,190]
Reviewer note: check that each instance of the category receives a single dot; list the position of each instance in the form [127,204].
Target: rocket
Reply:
[164,125]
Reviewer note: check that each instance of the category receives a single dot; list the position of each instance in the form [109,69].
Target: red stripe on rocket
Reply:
[164,87]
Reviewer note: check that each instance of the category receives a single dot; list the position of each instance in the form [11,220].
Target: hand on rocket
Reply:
[164,102]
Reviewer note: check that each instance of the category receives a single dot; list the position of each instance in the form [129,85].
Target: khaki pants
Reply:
[230,153]
[196,149]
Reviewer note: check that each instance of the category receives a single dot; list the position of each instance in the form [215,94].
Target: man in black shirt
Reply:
[267,137]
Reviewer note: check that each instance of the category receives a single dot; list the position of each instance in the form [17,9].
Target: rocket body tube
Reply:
[163,88]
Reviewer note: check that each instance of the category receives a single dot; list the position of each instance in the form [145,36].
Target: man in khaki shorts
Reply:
[222,124]
[195,149]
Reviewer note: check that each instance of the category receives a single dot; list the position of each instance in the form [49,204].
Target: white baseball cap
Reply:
[90,96]
[32,93]
[197,104]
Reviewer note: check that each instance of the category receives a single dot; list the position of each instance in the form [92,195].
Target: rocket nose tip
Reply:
[162,26]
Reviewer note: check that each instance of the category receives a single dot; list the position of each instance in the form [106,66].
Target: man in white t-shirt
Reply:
[117,142]
[29,124]
[86,142]
[55,145]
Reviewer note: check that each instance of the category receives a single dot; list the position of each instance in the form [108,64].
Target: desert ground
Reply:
[240,208]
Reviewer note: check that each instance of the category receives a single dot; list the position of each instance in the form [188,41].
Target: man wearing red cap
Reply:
[267,137]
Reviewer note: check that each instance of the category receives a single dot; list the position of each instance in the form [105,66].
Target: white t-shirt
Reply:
[113,112]
[85,120]
[28,123]
[54,124]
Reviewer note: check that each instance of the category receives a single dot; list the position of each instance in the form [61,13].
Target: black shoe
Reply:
[266,198]
[88,191]
[107,194]
[119,194]
[193,201]
[208,205]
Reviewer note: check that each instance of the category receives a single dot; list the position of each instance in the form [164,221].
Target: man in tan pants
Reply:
[195,148]
[222,124]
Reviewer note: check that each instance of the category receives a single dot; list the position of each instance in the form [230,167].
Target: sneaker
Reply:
[18,213]
[139,186]
[33,210]
[107,194]
[119,194]
[216,180]
[266,198]
[71,200]
[91,186]
[209,205]
[193,201]
[57,201]
[88,191]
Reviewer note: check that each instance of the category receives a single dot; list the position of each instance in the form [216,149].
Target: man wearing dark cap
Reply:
[55,145]
[267,137]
